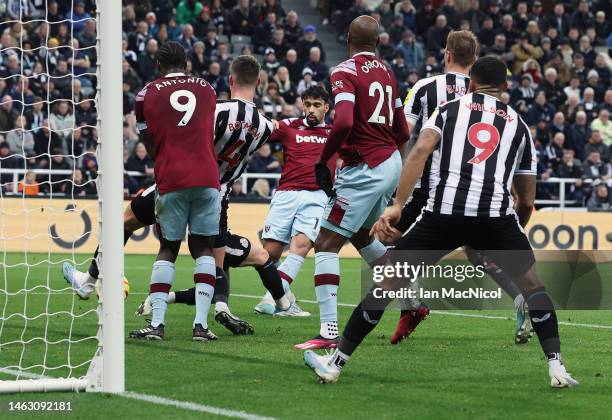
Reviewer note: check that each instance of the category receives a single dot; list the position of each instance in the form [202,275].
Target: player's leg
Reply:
[172,212]
[204,218]
[362,194]
[424,235]
[507,245]
[84,283]
[412,311]
[523,330]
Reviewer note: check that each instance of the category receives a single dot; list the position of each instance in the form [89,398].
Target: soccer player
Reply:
[175,115]
[485,148]
[425,96]
[298,203]
[368,127]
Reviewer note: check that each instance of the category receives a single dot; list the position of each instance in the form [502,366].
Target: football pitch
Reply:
[458,364]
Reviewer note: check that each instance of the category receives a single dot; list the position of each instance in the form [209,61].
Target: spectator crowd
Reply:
[557,54]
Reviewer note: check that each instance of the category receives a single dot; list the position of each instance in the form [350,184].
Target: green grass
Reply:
[452,367]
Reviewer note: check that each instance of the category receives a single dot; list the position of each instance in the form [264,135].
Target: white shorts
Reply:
[293,212]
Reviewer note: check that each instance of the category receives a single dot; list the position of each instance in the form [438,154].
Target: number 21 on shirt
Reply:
[381,92]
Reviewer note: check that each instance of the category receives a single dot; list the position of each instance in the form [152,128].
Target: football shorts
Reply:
[502,239]
[294,212]
[237,249]
[143,206]
[197,208]
[362,194]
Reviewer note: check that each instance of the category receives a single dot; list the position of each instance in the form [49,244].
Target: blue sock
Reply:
[204,278]
[289,270]
[327,279]
[162,278]
[373,252]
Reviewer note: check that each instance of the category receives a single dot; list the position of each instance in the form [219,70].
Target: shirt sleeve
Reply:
[343,88]
[413,105]
[526,156]
[278,135]
[436,121]
[141,122]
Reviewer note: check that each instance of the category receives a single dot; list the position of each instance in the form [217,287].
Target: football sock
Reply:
[519,301]
[327,279]
[162,278]
[186,296]
[93,267]
[544,320]
[271,279]
[221,286]
[204,279]
[373,254]
[362,322]
[505,282]
[289,270]
[339,358]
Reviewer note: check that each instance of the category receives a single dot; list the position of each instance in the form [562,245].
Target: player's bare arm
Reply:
[412,170]
[525,187]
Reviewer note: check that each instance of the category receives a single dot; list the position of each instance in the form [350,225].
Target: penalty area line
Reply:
[186,405]
[482,316]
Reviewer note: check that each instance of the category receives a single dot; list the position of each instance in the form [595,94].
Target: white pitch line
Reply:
[505,318]
[194,406]
[186,405]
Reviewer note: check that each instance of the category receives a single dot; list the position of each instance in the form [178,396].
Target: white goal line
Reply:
[186,405]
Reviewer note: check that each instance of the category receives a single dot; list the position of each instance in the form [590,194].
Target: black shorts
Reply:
[237,249]
[143,206]
[412,210]
[500,238]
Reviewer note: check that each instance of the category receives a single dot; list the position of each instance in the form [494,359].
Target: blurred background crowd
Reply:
[557,53]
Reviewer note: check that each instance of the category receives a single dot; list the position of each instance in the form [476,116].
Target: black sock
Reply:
[544,320]
[186,297]
[271,279]
[93,267]
[362,322]
[505,282]
[221,287]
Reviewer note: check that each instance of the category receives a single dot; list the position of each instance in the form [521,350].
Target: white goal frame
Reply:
[106,372]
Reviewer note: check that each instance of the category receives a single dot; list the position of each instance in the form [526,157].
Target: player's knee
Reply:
[328,243]
[300,245]
[259,256]
[274,249]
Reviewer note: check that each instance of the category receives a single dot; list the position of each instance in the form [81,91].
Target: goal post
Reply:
[42,323]
[111,197]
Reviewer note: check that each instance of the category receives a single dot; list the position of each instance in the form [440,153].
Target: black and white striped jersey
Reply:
[240,129]
[423,99]
[483,144]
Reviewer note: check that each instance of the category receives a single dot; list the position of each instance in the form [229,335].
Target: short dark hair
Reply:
[316,92]
[489,71]
[245,70]
[463,45]
[172,55]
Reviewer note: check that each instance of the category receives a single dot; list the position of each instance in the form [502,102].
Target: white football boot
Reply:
[78,281]
[326,371]
[559,377]
[145,308]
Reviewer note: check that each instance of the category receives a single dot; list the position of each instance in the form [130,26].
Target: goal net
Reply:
[60,176]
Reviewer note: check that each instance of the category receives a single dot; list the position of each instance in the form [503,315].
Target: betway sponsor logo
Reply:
[310,139]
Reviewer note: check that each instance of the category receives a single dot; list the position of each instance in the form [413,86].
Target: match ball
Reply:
[126,288]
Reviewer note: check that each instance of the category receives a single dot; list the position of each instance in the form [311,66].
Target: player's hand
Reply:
[324,179]
[274,125]
[386,223]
